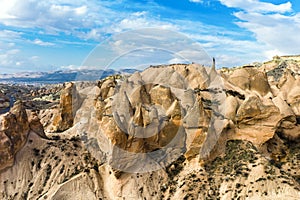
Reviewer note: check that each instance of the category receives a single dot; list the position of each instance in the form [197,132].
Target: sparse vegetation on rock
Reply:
[226,134]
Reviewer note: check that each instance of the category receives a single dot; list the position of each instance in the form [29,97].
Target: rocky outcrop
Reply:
[14,130]
[35,124]
[4,101]
[250,78]
[256,120]
[69,103]
[170,132]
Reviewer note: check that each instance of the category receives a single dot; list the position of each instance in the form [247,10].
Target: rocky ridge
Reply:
[169,132]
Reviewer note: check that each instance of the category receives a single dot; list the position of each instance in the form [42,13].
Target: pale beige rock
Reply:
[293,97]
[240,78]
[230,106]
[155,135]
[256,120]
[4,101]
[249,78]
[14,129]
[69,103]
[35,124]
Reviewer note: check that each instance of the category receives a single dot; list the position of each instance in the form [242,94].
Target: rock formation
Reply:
[170,132]
[14,131]
[69,103]
[4,101]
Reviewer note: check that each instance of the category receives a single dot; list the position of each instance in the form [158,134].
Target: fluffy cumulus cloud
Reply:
[276,26]
[87,20]
[53,17]
[56,23]
[279,32]
[79,21]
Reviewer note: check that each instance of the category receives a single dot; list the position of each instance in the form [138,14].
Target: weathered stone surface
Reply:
[257,120]
[14,129]
[240,78]
[157,134]
[250,78]
[69,103]
[289,128]
[35,124]
[4,101]
[231,106]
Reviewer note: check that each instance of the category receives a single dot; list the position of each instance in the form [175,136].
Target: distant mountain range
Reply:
[61,76]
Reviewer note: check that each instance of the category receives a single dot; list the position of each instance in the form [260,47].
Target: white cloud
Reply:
[148,46]
[196,1]
[176,61]
[5,9]
[140,14]
[141,20]
[81,10]
[257,6]
[271,53]
[276,30]
[87,20]
[93,34]
[75,67]
[232,60]
[34,58]
[51,16]
[11,58]
[223,44]
[9,35]
[70,67]
[272,25]
[8,57]
[42,43]
[12,51]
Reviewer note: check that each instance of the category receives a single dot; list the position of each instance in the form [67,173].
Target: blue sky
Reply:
[43,35]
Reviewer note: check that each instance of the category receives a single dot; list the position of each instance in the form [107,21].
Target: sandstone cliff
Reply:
[169,132]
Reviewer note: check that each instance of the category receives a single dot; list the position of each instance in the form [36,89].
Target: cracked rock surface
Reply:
[181,131]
